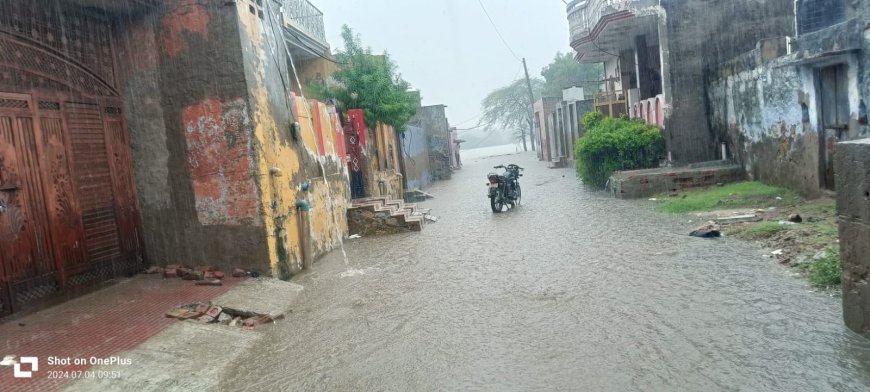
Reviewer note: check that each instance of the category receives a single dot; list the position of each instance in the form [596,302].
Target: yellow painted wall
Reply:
[283,164]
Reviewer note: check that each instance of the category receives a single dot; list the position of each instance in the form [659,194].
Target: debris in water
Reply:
[709,230]
[351,272]
[653,199]
[355,236]
[430,218]
[154,270]
[777,252]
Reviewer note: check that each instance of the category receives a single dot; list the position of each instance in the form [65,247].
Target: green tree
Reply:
[565,72]
[509,108]
[370,82]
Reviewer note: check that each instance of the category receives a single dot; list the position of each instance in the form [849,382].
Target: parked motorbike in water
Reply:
[504,189]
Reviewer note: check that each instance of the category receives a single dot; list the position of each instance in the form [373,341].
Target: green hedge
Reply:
[612,144]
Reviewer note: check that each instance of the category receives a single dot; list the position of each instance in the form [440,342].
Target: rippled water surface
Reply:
[572,291]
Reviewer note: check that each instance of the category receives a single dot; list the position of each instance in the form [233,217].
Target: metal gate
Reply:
[68,208]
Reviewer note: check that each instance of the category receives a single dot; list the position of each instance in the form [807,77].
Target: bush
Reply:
[826,271]
[612,144]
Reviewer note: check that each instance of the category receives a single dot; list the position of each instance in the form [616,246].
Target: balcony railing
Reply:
[583,15]
[305,17]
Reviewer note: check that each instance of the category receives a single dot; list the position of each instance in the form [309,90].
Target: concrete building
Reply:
[167,126]
[544,110]
[782,106]
[415,158]
[433,120]
[559,125]
[656,52]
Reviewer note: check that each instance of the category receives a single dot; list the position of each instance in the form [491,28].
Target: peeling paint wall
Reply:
[218,168]
[766,105]
[381,159]
[286,159]
[184,93]
[695,36]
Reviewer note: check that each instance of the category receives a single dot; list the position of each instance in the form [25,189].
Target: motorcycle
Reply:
[504,189]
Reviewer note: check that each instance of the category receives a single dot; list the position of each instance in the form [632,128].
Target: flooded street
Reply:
[572,291]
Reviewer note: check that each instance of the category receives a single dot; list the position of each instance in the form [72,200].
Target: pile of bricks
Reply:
[202,275]
[208,313]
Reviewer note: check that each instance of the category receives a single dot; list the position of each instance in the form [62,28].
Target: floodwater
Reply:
[571,291]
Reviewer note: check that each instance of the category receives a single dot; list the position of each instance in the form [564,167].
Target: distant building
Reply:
[655,54]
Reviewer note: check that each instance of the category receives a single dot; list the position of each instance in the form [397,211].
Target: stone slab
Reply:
[852,168]
[635,184]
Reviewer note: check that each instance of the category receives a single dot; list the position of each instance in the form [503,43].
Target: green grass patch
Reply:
[757,231]
[826,271]
[736,195]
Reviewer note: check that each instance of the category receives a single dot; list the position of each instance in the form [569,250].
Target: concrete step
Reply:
[405,215]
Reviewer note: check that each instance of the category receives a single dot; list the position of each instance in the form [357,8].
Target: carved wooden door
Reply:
[28,267]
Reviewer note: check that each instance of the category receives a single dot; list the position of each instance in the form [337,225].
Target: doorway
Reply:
[833,120]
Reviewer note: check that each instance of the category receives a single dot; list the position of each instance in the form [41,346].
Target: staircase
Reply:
[383,215]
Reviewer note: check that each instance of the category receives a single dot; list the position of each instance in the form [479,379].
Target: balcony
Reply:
[600,28]
[304,29]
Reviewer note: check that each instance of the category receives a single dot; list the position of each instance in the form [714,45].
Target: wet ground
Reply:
[572,291]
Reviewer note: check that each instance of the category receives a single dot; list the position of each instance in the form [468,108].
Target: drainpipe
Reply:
[304,224]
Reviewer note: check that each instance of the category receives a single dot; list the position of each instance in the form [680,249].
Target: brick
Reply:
[170,273]
[202,307]
[252,322]
[210,282]
[205,319]
[218,275]
[183,314]
[214,311]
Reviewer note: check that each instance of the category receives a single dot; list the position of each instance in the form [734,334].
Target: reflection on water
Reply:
[573,291]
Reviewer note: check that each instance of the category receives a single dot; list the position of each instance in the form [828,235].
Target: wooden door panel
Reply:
[93,178]
[61,205]
[126,204]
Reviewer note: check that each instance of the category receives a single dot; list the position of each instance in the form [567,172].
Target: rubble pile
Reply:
[208,313]
[200,275]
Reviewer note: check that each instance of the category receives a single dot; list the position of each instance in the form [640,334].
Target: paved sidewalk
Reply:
[190,356]
[99,325]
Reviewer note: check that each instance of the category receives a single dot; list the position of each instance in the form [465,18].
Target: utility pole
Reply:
[531,106]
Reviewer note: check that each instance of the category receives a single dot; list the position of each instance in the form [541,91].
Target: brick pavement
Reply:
[99,324]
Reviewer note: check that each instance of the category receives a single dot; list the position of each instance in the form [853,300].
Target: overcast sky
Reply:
[447,48]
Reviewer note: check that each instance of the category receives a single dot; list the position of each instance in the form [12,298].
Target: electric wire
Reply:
[497,31]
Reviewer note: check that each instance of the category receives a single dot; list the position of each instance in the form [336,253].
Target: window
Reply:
[815,15]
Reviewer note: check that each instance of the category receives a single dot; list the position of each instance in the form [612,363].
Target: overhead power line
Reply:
[497,31]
